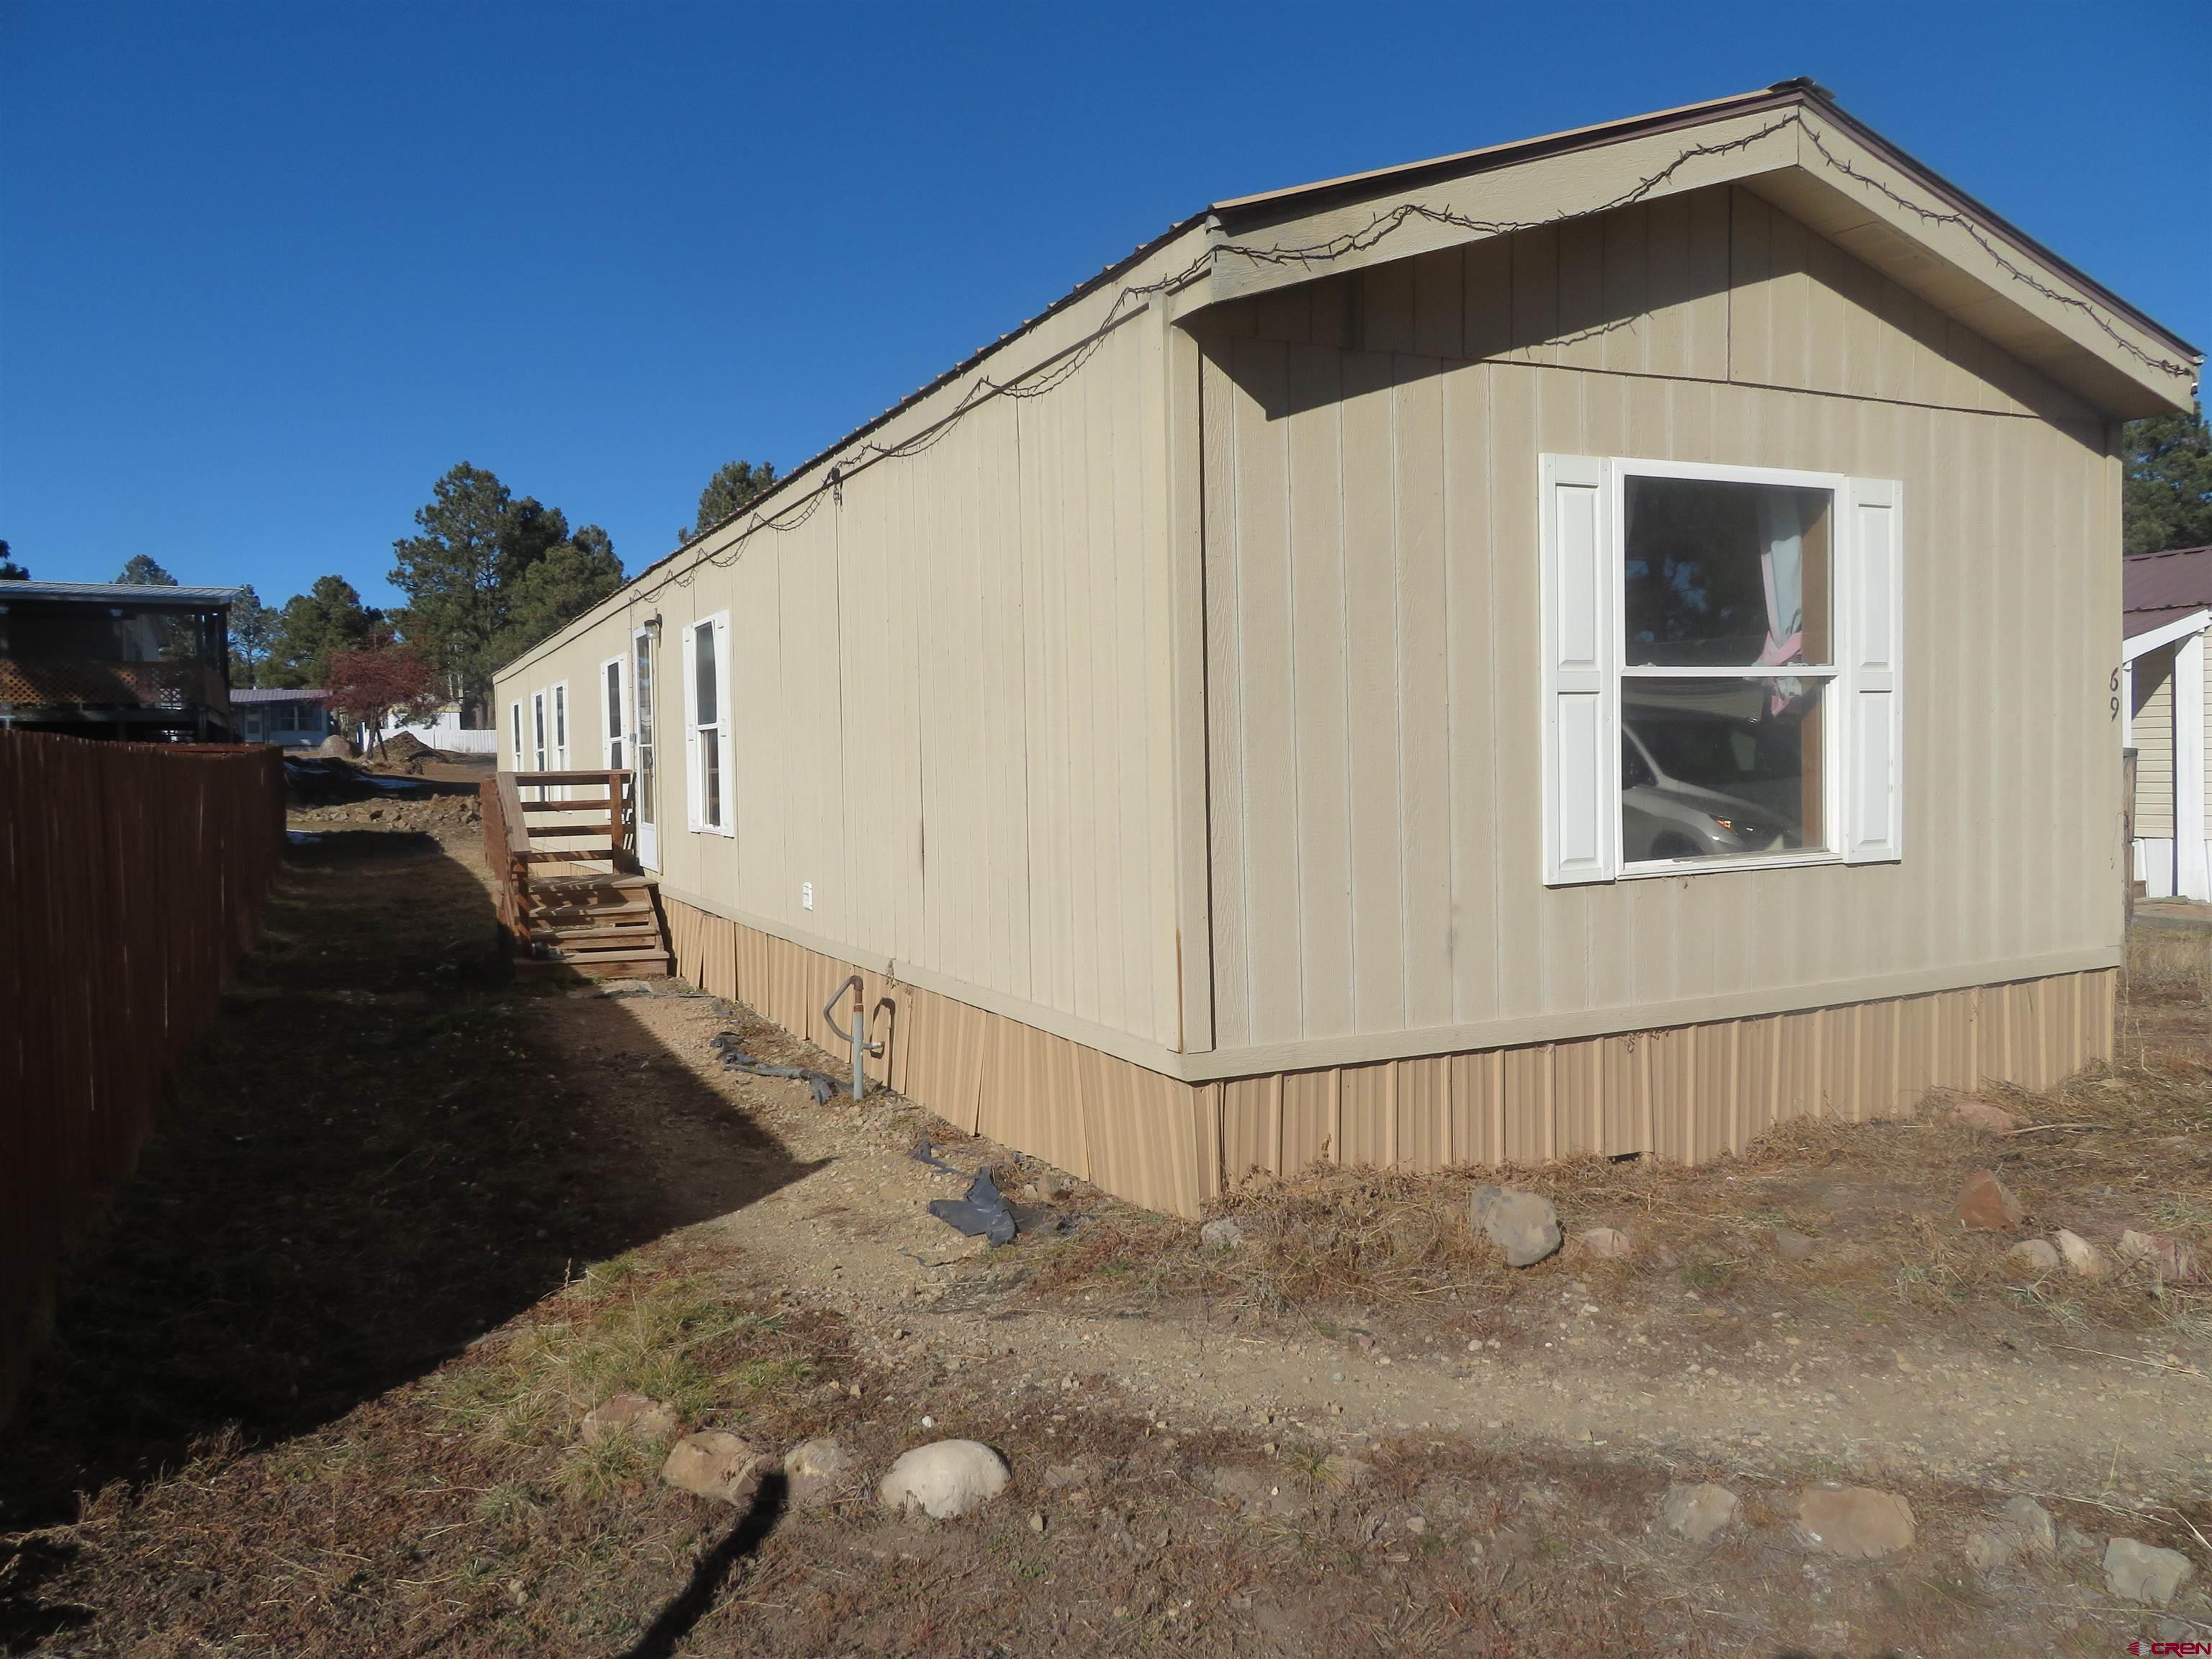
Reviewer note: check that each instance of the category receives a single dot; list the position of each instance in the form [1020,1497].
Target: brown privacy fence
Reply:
[131,880]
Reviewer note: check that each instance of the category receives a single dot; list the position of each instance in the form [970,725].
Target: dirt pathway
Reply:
[2117,1416]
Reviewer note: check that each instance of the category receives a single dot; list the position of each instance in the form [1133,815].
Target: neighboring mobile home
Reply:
[2167,709]
[289,717]
[1562,649]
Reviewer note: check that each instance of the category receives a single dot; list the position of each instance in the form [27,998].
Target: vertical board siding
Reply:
[939,694]
[1372,641]
[2153,741]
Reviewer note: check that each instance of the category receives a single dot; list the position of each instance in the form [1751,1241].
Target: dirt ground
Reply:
[317,1384]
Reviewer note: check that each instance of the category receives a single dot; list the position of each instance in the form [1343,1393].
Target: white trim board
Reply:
[2138,645]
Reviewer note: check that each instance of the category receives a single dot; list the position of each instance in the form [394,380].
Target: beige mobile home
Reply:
[1562,647]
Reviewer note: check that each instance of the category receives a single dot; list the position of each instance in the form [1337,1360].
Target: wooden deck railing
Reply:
[527,826]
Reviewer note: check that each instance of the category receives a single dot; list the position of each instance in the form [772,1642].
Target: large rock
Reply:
[2083,1260]
[1601,1244]
[636,1415]
[1986,1204]
[816,1471]
[2036,1255]
[2135,1571]
[2169,1258]
[715,1463]
[945,1479]
[1523,1225]
[1856,1520]
[1698,1512]
[1985,1114]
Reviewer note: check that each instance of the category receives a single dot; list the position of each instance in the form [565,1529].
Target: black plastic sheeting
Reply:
[982,1214]
[735,1059]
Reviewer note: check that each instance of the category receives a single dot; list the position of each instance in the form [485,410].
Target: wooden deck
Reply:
[563,850]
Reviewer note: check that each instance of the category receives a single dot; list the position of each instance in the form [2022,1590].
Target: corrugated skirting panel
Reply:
[1687,1092]
[1135,1134]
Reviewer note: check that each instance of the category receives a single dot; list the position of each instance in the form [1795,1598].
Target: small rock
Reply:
[1856,1520]
[1986,1204]
[1698,1512]
[1604,1244]
[2136,1572]
[1792,1247]
[2169,1258]
[1522,1225]
[634,1415]
[1038,1521]
[2036,1255]
[1984,1115]
[1221,1234]
[715,1463]
[945,1479]
[817,1471]
[2031,1523]
[1989,1548]
[2022,1527]
[2083,1259]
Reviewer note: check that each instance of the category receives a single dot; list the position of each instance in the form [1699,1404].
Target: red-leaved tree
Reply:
[367,687]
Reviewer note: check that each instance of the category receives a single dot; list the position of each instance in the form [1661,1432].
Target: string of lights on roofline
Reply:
[1043,378]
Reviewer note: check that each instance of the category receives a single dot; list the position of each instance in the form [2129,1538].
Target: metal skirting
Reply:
[1687,1092]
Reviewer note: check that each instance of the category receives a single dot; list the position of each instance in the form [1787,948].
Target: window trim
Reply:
[515,715]
[614,715]
[537,729]
[1842,678]
[564,720]
[694,770]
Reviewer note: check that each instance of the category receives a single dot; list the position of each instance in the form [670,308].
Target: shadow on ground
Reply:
[366,1164]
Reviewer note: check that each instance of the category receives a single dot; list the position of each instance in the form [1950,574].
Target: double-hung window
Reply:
[706,655]
[514,731]
[537,725]
[1720,660]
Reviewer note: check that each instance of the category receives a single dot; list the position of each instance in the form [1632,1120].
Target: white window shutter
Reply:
[1582,747]
[1871,688]
[726,724]
[688,658]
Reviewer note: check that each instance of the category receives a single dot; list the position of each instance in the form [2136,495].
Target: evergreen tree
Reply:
[727,492]
[313,626]
[142,571]
[253,627]
[2166,499]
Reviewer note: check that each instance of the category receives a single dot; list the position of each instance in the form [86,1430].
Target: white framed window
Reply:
[514,732]
[1720,657]
[537,729]
[613,729]
[561,726]
[705,647]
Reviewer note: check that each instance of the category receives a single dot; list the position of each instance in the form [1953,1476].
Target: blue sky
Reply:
[266,271]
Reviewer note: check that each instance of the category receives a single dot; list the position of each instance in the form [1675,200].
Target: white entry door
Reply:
[642,725]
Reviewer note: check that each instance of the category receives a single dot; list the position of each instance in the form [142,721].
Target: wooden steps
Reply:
[564,915]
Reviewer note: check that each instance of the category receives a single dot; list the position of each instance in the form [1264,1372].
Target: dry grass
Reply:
[2111,1149]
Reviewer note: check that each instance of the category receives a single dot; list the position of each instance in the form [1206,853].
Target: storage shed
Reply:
[1560,648]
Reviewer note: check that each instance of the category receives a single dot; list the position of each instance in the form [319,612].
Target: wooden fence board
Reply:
[131,880]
